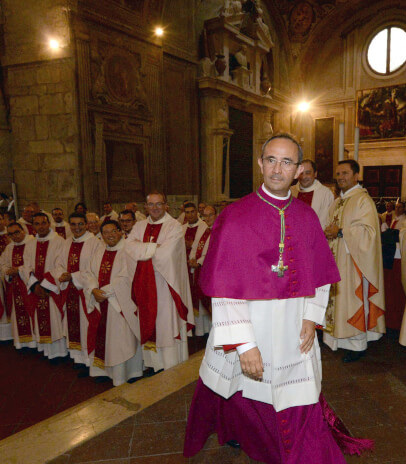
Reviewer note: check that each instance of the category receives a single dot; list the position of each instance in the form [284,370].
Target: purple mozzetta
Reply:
[244,244]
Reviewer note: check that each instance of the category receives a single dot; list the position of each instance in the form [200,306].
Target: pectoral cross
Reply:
[279,268]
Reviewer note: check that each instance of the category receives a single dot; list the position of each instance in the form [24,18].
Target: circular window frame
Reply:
[368,68]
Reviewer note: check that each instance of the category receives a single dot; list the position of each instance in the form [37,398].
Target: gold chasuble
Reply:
[357,254]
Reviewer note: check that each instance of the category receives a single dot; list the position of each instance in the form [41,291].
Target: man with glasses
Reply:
[127,220]
[26,220]
[268,270]
[75,257]
[93,224]
[312,192]
[22,319]
[157,266]
[113,326]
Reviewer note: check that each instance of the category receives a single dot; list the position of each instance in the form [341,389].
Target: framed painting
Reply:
[324,148]
[381,112]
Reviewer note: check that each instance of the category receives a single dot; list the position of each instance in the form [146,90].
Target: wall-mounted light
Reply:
[54,44]
[303,106]
[159,32]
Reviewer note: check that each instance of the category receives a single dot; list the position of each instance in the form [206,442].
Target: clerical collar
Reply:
[196,224]
[117,246]
[24,221]
[60,224]
[349,190]
[311,188]
[163,219]
[82,238]
[274,196]
[3,232]
[50,236]
[26,239]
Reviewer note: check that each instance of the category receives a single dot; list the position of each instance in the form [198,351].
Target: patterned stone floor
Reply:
[369,396]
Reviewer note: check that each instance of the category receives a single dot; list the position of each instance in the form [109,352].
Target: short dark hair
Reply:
[128,211]
[78,215]
[287,136]
[312,163]
[15,224]
[189,205]
[353,165]
[80,204]
[40,215]
[57,209]
[110,221]
[107,202]
[156,192]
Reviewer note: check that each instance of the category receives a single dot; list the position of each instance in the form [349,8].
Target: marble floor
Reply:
[144,423]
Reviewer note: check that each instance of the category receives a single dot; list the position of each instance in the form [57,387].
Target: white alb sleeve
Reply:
[315,307]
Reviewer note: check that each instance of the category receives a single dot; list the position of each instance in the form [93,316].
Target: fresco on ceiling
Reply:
[301,16]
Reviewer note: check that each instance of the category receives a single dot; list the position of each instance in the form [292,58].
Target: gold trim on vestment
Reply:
[97,362]
[150,346]
[75,346]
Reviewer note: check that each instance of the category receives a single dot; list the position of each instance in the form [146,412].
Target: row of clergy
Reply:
[117,304]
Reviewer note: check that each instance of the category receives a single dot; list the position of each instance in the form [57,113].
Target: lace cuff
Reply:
[231,322]
[315,307]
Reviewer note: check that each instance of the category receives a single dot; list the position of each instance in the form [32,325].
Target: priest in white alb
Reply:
[22,319]
[312,192]
[77,252]
[40,257]
[113,326]
[59,225]
[156,254]
[197,237]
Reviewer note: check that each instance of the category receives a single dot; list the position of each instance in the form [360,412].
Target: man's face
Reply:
[155,206]
[107,208]
[80,209]
[93,224]
[389,206]
[16,234]
[111,235]
[35,207]
[191,214]
[209,216]
[28,211]
[201,208]
[345,177]
[399,209]
[308,175]
[41,226]
[132,206]
[2,223]
[277,178]
[57,214]
[126,222]
[77,226]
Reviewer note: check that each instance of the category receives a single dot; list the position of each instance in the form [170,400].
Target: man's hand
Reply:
[40,291]
[12,271]
[307,334]
[65,277]
[99,295]
[193,263]
[251,363]
[331,231]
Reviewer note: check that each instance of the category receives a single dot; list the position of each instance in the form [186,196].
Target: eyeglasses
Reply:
[286,165]
[158,205]
[126,221]
[12,234]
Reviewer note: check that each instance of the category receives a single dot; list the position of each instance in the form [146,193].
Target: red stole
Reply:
[16,292]
[144,292]
[61,231]
[197,294]
[41,305]
[98,332]
[4,241]
[72,296]
[31,230]
[306,197]
[190,238]
[388,219]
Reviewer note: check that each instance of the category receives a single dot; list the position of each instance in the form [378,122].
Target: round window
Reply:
[387,50]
